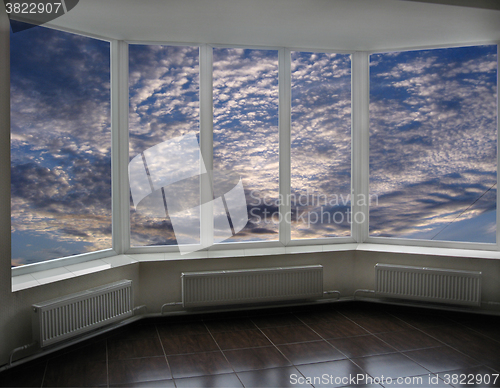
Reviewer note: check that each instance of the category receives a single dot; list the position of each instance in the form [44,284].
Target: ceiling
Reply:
[335,24]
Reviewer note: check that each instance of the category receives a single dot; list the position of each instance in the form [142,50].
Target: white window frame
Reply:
[360,95]
[433,243]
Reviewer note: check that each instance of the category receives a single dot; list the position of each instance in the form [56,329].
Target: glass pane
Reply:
[60,145]
[433,144]
[245,92]
[165,160]
[321,145]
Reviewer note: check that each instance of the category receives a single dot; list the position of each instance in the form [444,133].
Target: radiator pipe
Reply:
[332,292]
[170,305]
[19,349]
[141,307]
[362,290]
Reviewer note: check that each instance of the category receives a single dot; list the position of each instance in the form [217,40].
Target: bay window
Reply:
[232,147]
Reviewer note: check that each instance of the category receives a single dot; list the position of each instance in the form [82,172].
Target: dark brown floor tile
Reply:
[124,349]
[147,384]
[472,343]
[488,326]
[30,375]
[357,306]
[377,322]
[409,340]
[83,352]
[216,381]
[135,331]
[219,326]
[390,365]
[182,344]
[309,352]
[441,359]
[314,317]
[136,370]
[198,364]
[276,320]
[241,339]
[184,328]
[271,311]
[273,378]
[173,319]
[338,329]
[424,320]
[365,345]
[478,376]
[72,373]
[290,334]
[331,374]
[256,358]
[224,315]
[454,335]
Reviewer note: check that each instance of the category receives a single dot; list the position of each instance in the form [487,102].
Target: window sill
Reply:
[34,279]
[25,281]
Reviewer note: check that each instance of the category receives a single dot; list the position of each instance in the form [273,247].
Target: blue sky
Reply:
[432,139]
[321,144]
[60,145]
[433,144]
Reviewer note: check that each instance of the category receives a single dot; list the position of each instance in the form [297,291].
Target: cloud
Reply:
[433,141]
[60,143]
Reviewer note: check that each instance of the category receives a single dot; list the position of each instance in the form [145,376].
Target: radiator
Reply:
[62,318]
[212,288]
[428,284]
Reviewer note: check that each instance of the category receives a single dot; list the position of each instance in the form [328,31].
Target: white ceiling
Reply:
[335,24]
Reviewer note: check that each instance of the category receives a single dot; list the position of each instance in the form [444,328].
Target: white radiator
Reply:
[428,284]
[214,288]
[62,318]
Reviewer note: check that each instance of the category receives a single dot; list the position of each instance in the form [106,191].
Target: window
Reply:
[245,133]
[433,144]
[60,145]
[432,139]
[321,145]
[163,142]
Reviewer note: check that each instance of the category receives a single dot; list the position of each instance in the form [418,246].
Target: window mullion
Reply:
[360,145]
[285,103]
[206,145]
[120,147]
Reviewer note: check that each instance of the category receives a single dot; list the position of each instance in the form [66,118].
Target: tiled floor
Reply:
[340,344]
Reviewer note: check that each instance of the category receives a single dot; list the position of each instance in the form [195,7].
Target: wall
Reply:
[365,274]
[161,281]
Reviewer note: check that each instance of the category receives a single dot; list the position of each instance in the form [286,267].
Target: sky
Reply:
[321,145]
[60,145]
[432,142]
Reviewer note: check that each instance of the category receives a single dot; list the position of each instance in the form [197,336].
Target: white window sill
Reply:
[34,279]
[22,282]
